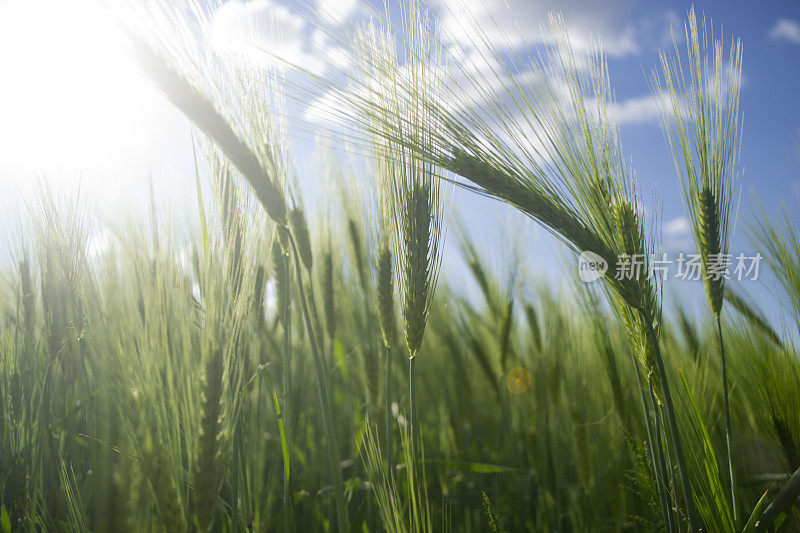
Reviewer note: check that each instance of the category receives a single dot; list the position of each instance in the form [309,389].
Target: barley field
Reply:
[285,363]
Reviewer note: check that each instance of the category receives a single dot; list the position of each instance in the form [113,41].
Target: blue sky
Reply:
[73,109]
[770,32]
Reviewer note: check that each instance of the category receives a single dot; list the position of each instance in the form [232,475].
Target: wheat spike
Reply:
[386,296]
[201,111]
[280,273]
[701,121]
[710,247]
[207,468]
[357,247]
[299,226]
[328,295]
[168,502]
[416,272]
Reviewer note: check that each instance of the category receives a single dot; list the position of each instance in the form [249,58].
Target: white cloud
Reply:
[640,109]
[519,23]
[785,30]
[270,35]
[677,227]
[679,245]
[263,31]
[337,11]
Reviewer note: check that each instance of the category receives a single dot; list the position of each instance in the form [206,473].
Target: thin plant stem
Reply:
[673,423]
[726,406]
[661,468]
[388,408]
[286,395]
[412,419]
[235,478]
[663,495]
[672,494]
[324,398]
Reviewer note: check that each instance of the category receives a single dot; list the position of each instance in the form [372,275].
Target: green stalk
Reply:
[412,420]
[726,407]
[235,479]
[286,394]
[673,423]
[663,494]
[324,398]
[388,409]
[661,467]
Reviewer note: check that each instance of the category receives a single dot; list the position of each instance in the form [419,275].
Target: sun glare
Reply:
[68,97]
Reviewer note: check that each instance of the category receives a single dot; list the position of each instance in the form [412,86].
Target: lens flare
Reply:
[69,93]
[518,380]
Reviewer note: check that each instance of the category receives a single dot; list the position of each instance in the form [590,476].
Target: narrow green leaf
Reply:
[200,207]
[757,510]
[711,467]
[476,468]
[284,442]
[338,355]
[5,520]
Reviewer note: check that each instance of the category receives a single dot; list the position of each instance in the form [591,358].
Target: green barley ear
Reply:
[297,221]
[628,226]
[168,502]
[710,247]
[491,515]
[640,293]
[28,302]
[280,272]
[168,499]
[328,294]
[208,468]
[508,319]
[411,190]
[384,176]
[701,121]
[497,180]
[16,398]
[417,267]
[258,293]
[201,111]
[357,245]
[283,238]
[533,325]
[386,296]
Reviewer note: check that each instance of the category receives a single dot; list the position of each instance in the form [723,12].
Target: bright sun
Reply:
[67,92]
